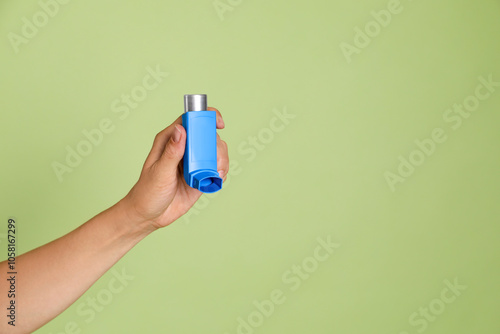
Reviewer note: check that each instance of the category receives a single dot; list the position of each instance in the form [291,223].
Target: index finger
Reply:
[220,120]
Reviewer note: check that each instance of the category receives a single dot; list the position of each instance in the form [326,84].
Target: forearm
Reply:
[55,275]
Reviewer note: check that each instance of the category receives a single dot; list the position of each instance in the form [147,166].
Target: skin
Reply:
[55,275]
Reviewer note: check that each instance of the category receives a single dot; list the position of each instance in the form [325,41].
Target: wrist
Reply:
[130,223]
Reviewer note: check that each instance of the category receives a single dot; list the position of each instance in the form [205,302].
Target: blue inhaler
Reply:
[200,156]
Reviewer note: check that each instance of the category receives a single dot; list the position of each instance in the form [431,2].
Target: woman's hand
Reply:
[159,197]
[162,195]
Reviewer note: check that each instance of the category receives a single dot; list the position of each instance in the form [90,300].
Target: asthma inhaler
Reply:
[200,156]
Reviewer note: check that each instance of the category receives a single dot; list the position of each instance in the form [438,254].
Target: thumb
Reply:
[174,150]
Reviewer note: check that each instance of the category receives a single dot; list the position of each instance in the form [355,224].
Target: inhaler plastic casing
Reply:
[200,156]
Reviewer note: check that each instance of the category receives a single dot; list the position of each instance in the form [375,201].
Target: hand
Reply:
[162,195]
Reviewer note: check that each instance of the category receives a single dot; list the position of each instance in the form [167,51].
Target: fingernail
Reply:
[177,134]
[221,173]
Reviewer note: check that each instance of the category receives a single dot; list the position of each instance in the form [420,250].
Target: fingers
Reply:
[160,142]
[220,120]
[174,150]
[222,158]
[222,152]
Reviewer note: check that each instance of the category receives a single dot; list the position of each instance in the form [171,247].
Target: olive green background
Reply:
[320,175]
